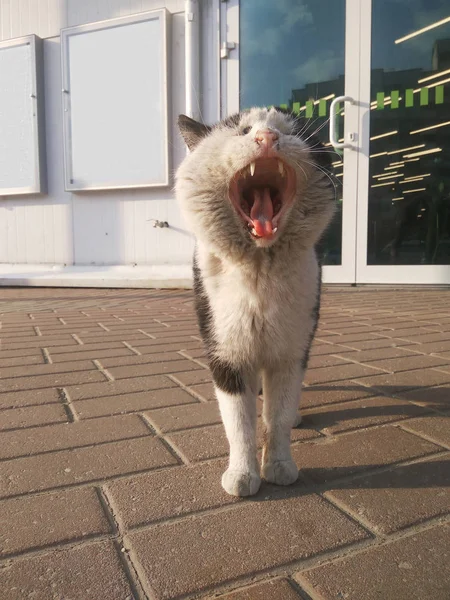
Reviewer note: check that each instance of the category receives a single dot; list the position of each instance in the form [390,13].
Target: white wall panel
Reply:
[70,228]
[44,18]
[38,229]
[22,148]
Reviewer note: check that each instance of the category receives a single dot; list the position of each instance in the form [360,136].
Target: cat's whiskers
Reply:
[309,123]
[327,173]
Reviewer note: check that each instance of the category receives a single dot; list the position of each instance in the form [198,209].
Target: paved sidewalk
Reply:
[112,450]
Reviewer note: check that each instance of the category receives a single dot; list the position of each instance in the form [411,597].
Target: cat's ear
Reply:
[192,131]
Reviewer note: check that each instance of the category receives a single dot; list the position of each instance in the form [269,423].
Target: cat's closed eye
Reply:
[246,130]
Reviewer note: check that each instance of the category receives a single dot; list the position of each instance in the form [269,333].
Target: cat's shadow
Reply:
[430,474]
[424,473]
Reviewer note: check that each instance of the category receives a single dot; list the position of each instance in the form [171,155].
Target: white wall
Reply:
[101,228]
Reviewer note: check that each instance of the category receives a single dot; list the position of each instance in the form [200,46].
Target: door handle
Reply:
[333,134]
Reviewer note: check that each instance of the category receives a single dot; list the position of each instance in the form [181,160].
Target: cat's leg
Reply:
[237,404]
[282,388]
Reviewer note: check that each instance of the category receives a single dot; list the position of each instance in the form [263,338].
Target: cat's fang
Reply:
[281,168]
[252,168]
[274,230]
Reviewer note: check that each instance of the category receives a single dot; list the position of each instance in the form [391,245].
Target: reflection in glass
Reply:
[291,56]
[409,187]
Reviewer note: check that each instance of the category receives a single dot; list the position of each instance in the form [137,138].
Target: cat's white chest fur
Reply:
[257,313]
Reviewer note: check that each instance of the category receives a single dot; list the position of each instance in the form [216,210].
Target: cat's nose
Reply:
[266,138]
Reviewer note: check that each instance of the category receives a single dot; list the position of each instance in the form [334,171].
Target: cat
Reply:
[255,192]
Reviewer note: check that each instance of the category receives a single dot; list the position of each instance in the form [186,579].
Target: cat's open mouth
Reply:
[260,192]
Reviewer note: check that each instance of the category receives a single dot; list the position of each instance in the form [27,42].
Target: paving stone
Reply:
[37,521]
[213,549]
[23,352]
[433,347]
[348,338]
[150,490]
[339,373]
[80,573]
[105,337]
[75,350]
[40,342]
[326,360]
[134,402]
[416,335]
[90,328]
[393,383]
[154,368]
[29,397]
[413,567]
[17,331]
[169,493]
[122,361]
[47,369]
[66,467]
[72,435]
[201,444]
[172,347]
[400,498]
[14,384]
[321,349]
[124,386]
[436,428]
[33,359]
[401,324]
[435,397]
[179,340]
[428,336]
[211,442]
[408,363]
[385,342]
[121,351]
[360,413]
[32,416]
[186,417]
[330,393]
[199,353]
[278,589]
[343,455]
[367,356]
[194,377]
[205,391]
[168,334]
[351,329]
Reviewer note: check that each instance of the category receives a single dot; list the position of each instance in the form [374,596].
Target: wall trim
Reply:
[102,276]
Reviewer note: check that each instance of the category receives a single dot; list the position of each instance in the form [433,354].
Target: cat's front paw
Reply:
[240,483]
[280,472]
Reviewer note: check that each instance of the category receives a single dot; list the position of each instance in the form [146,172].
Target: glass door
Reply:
[303,55]
[403,230]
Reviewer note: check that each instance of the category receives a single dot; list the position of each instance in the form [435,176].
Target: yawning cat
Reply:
[255,192]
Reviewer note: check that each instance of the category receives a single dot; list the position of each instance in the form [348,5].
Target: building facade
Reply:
[378,70]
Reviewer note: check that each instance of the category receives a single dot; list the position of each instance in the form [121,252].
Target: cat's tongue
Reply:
[262,212]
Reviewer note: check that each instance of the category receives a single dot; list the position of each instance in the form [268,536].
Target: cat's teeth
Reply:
[254,231]
[274,230]
[252,169]
[281,168]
